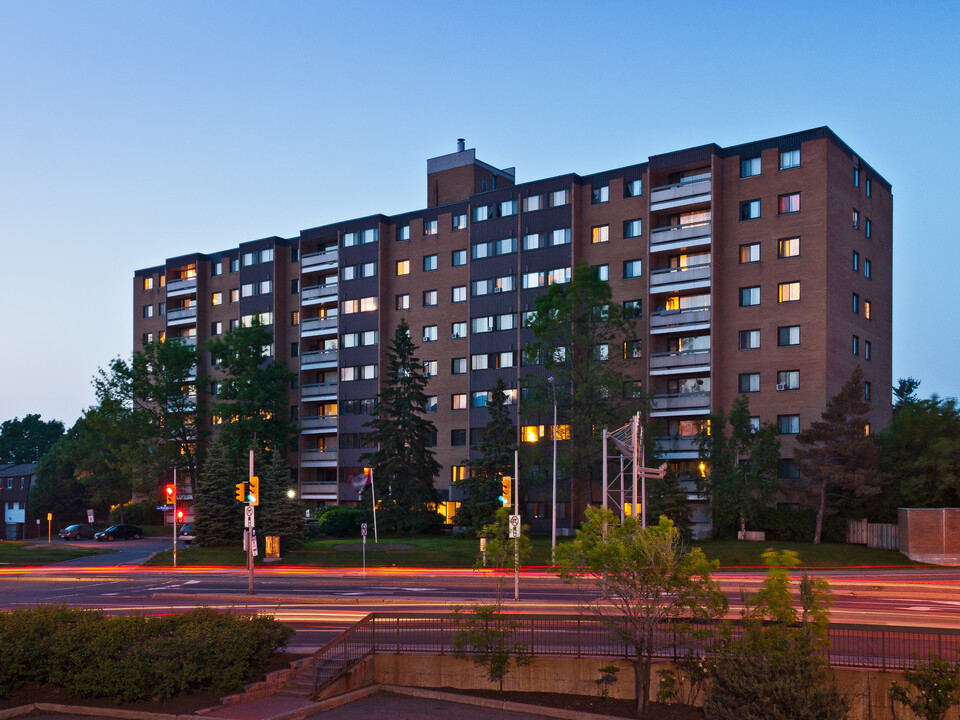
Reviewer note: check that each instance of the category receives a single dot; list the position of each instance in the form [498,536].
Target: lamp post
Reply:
[553,508]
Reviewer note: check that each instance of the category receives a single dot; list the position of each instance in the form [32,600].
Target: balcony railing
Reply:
[318,389]
[679,443]
[312,456]
[188,284]
[318,358]
[691,235]
[318,422]
[318,293]
[682,401]
[312,261]
[311,490]
[667,320]
[680,276]
[182,314]
[682,193]
[317,325]
[679,360]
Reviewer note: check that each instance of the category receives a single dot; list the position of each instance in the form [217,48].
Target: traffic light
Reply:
[171,493]
[506,484]
[242,492]
[180,516]
[253,495]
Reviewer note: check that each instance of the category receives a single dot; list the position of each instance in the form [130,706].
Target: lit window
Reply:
[532,202]
[216,298]
[749,382]
[430,227]
[479,399]
[750,253]
[633,188]
[459,258]
[600,194]
[429,298]
[750,210]
[601,234]
[368,304]
[789,203]
[632,349]
[429,263]
[460,221]
[295,317]
[459,294]
[632,268]
[867,307]
[403,267]
[788,247]
[749,296]
[148,283]
[235,295]
[855,216]
[749,339]
[430,333]
[750,167]
[788,424]
[788,292]
[789,159]
[458,401]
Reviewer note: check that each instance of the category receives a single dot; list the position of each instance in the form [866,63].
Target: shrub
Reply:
[789,525]
[138,513]
[934,688]
[343,521]
[137,657]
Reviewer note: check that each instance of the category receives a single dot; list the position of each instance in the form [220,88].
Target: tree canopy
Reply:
[26,441]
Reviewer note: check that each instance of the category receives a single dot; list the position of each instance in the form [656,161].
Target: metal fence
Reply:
[863,646]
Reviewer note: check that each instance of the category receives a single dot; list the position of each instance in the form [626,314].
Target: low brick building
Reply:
[930,535]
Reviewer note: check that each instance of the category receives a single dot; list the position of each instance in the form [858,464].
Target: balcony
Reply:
[682,404]
[183,286]
[318,458]
[670,363]
[318,423]
[182,316]
[693,277]
[679,445]
[665,321]
[318,326]
[318,359]
[318,391]
[312,262]
[184,491]
[679,237]
[318,491]
[679,194]
[316,294]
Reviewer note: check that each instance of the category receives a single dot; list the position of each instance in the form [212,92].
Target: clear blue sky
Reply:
[132,131]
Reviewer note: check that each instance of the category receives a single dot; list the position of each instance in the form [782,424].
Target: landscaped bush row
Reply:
[134,657]
[797,525]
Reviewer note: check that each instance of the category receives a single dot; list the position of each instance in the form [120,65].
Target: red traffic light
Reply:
[179,514]
[171,490]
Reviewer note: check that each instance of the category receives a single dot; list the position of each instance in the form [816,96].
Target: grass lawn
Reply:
[459,552]
[734,553]
[31,554]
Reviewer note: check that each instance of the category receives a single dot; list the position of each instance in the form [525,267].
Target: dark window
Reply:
[458,437]
[750,210]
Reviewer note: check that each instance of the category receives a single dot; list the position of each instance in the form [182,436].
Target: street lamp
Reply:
[553,509]
[291,493]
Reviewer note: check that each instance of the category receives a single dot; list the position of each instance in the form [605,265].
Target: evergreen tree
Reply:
[404,467]
[278,513]
[586,343]
[253,392]
[218,515]
[742,466]
[835,455]
[482,488]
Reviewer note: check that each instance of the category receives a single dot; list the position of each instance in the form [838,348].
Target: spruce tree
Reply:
[482,488]
[218,517]
[278,513]
[835,455]
[404,467]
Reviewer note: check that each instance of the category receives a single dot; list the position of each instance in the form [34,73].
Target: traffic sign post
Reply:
[90,516]
[363,535]
[514,526]
[254,483]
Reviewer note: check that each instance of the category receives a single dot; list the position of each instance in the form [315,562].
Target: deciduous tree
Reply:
[27,440]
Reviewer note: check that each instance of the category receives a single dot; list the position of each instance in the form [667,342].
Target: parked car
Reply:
[119,532]
[186,533]
[77,532]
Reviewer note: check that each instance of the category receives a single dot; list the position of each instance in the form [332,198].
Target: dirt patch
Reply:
[374,547]
[586,703]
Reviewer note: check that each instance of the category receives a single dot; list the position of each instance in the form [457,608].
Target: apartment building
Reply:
[761,269]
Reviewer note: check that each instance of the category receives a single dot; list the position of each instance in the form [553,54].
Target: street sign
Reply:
[514,526]
[248,517]
[90,516]
[363,529]
[165,508]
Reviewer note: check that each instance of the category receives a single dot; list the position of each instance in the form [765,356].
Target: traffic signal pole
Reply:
[174,517]
[251,533]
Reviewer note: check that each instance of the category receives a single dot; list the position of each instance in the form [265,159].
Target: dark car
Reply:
[76,532]
[186,533]
[120,532]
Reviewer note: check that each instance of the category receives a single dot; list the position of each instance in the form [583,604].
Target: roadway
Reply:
[321,602]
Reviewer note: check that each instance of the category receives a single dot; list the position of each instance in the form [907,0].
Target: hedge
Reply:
[138,657]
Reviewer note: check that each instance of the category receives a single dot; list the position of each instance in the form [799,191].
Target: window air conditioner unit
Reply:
[498,289]
[781,386]
[455,336]
[426,338]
